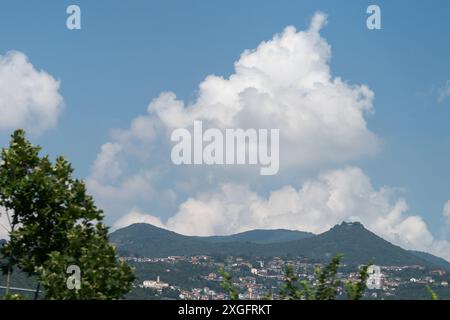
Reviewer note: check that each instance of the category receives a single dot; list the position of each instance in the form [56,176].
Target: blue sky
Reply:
[127,53]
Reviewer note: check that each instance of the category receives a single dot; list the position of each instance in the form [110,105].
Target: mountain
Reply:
[358,245]
[147,240]
[260,236]
[432,259]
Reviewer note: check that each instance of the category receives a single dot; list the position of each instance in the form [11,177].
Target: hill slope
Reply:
[357,243]
[432,259]
[147,240]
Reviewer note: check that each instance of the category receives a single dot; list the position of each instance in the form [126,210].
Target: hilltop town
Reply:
[197,278]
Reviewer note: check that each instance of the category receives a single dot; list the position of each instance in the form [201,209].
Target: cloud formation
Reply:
[285,83]
[29,98]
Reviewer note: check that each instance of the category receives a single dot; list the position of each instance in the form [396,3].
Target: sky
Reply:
[363,114]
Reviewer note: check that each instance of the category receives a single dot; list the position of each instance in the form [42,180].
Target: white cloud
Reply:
[318,205]
[284,83]
[446,212]
[139,188]
[29,98]
[137,217]
[444,92]
[107,166]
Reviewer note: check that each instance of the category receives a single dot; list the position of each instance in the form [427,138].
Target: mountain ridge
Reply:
[358,244]
[260,236]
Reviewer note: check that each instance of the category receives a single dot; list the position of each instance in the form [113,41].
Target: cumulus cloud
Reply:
[29,98]
[318,205]
[285,83]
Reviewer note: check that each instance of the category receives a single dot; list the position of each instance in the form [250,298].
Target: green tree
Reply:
[227,284]
[326,286]
[433,294]
[355,289]
[294,288]
[54,224]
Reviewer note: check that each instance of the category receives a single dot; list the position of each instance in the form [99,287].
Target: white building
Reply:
[152,284]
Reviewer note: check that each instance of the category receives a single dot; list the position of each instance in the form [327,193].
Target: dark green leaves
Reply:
[54,224]
[227,284]
[326,285]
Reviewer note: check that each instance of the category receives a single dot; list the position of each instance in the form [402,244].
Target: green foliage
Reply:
[355,289]
[326,286]
[268,296]
[294,288]
[290,290]
[227,284]
[434,295]
[54,224]
[103,277]
[10,296]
